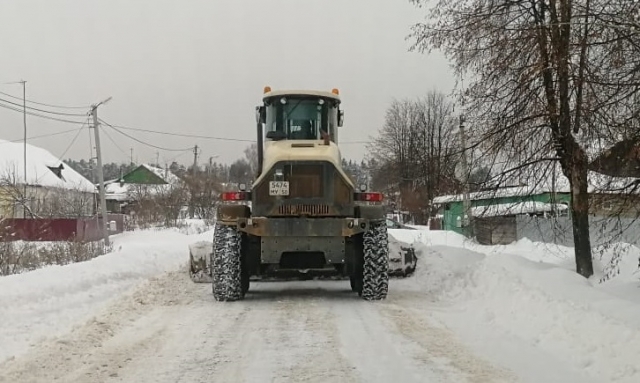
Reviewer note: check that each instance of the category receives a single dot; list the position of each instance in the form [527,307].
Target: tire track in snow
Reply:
[438,344]
[314,338]
[172,330]
[86,354]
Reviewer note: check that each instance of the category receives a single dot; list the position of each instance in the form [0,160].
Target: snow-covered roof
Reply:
[165,174]
[526,207]
[489,194]
[39,162]
[115,191]
[597,183]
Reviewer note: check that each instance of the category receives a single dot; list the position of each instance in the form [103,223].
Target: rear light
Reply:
[235,196]
[369,197]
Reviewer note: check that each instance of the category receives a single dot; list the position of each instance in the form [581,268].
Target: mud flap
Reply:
[199,261]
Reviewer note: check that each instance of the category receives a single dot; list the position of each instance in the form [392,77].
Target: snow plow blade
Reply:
[199,261]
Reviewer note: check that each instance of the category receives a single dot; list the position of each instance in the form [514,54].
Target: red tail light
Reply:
[369,197]
[235,196]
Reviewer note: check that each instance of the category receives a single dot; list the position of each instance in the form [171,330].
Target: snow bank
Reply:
[52,300]
[533,296]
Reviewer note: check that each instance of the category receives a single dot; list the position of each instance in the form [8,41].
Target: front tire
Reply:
[226,265]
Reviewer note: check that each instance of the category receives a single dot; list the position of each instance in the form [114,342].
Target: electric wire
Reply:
[71,143]
[188,135]
[177,134]
[49,105]
[43,110]
[106,133]
[41,116]
[143,142]
[41,136]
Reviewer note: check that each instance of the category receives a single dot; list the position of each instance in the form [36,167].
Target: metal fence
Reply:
[558,230]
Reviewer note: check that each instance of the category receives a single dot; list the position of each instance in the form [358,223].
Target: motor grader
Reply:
[302,213]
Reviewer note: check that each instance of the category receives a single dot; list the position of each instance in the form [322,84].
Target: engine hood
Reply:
[301,150]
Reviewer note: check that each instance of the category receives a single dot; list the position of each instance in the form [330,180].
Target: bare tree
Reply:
[416,151]
[550,80]
[251,155]
[12,194]
[40,202]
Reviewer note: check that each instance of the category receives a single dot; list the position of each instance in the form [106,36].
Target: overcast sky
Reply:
[199,67]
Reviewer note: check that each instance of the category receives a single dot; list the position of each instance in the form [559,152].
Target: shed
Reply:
[497,225]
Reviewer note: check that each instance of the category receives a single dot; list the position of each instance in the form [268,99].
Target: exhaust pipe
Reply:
[259,114]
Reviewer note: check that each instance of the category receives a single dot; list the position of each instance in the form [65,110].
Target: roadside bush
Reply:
[19,257]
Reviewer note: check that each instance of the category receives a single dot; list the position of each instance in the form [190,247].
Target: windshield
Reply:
[296,119]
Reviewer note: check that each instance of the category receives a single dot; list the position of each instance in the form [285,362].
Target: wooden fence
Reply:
[84,229]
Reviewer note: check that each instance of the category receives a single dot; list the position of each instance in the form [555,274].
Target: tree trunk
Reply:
[580,214]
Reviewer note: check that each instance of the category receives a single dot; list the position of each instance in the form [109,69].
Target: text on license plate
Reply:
[278,188]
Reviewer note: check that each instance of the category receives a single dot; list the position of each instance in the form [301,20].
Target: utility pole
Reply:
[465,166]
[131,161]
[193,182]
[103,200]
[24,119]
[158,159]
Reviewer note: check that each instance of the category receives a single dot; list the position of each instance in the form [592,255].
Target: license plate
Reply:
[278,188]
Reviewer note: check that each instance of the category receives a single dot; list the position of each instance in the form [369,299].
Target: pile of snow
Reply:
[528,294]
[53,300]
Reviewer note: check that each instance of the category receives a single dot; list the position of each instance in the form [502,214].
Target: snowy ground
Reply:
[470,314]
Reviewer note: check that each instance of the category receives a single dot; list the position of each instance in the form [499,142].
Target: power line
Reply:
[41,136]
[142,142]
[43,110]
[42,116]
[71,143]
[49,105]
[177,134]
[114,143]
[187,135]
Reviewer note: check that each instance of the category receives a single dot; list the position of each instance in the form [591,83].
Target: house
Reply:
[502,202]
[53,189]
[494,212]
[141,183]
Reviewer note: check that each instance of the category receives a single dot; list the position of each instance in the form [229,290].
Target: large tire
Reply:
[376,263]
[225,264]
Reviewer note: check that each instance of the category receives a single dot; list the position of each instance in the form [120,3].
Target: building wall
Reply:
[46,202]
[455,209]
[618,205]
[495,230]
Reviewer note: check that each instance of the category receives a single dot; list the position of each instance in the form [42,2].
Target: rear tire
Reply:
[225,264]
[376,263]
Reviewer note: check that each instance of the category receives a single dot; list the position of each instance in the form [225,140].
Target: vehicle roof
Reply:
[318,93]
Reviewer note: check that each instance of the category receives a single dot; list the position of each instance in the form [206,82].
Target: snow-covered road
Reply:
[469,314]
[171,330]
